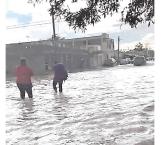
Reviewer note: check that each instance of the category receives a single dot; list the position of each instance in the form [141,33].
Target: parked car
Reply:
[131,61]
[128,60]
[123,61]
[110,62]
[149,59]
[139,60]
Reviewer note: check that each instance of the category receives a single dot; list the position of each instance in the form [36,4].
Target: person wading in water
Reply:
[23,79]
[60,75]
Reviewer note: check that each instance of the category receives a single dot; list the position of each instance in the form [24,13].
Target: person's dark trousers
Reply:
[25,88]
[60,86]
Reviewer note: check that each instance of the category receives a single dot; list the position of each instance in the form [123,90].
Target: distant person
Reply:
[60,75]
[23,79]
[46,66]
[81,62]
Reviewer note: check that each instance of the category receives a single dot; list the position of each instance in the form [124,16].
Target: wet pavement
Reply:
[111,106]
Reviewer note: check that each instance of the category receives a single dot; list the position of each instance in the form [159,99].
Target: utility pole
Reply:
[54,35]
[118,60]
[53,23]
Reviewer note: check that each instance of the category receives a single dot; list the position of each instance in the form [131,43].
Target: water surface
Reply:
[113,106]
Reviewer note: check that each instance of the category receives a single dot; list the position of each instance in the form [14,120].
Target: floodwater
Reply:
[111,106]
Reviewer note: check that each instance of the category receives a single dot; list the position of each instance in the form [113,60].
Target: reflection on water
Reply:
[114,106]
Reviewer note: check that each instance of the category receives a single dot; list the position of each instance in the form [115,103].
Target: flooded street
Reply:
[112,106]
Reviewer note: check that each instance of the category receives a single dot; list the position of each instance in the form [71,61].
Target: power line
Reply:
[31,24]
[14,27]
[34,22]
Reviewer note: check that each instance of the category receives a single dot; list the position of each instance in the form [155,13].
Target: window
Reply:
[59,44]
[104,39]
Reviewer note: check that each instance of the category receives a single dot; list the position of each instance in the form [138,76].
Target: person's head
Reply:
[23,61]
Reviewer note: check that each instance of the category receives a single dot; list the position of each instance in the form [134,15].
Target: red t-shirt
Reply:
[23,74]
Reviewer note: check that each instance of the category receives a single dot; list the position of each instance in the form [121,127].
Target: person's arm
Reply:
[54,69]
[65,74]
[31,72]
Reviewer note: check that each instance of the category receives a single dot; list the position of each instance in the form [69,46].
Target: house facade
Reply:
[77,53]
[99,47]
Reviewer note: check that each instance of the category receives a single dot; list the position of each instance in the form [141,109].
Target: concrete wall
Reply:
[34,55]
[40,55]
[75,53]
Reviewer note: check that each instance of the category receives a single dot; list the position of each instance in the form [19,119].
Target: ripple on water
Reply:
[149,108]
[110,107]
[146,142]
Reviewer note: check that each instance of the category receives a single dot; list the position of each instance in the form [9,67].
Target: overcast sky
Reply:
[19,12]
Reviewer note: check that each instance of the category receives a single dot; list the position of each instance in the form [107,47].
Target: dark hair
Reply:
[23,61]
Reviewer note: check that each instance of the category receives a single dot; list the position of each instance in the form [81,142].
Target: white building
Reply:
[99,47]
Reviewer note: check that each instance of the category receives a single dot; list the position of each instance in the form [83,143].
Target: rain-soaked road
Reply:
[113,106]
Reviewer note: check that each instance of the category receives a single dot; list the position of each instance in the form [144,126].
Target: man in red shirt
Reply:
[23,79]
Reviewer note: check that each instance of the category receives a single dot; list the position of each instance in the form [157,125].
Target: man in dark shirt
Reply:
[60,75]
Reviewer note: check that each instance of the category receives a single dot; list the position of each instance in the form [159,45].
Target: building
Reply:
[41,56]
[77,53]
[98,47]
